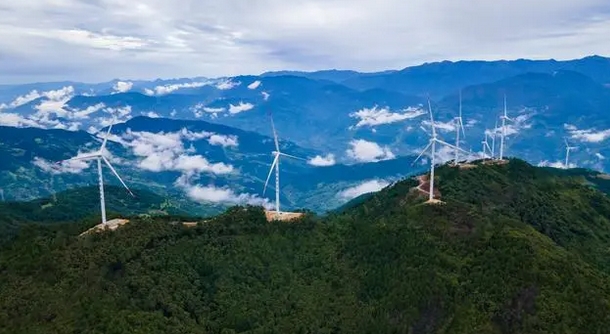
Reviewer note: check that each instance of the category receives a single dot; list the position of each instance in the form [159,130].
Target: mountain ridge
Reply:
[388,264]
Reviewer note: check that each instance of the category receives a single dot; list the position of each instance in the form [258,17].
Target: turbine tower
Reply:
[99,157]
[486,147]
[276,164]
[493,140]
[568,149]
[459,125]
[432,146]
[503,135]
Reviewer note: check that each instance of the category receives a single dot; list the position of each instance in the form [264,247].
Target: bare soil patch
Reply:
[283,216]
[112,225]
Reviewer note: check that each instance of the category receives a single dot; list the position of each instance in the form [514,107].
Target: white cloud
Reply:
[448,126]
[193,136]
[29,97]
[588,135]
[254,85]
[378,116]
[213,194]
[200,109]
[166,152]
[199,164]
[162,39]
[366,151]
[16,120]
[265,95]
[170,88]
[222,140]
[227,84]
[99,41]
[152,114]
[318,160]
[56,98]
[120,112]
[83,114]
[64,167]
[236,109]
[122,86]
[363,188]
[214,110]
[52,103]
[555,164]
[600,156]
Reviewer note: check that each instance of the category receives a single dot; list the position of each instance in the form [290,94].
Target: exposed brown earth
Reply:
[283,216]
[112,225]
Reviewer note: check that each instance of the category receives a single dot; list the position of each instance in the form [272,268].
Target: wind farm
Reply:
[433,141]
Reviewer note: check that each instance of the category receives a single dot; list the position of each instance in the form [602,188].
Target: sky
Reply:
[100,40]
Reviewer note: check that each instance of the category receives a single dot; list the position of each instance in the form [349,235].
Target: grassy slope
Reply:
[478,264]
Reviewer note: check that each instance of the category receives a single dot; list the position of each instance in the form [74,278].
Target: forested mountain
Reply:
[513,249]
[171,157]
[83,204]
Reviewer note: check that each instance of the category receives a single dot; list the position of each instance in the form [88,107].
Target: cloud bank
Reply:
[366,151]
[147,40]
[363,188]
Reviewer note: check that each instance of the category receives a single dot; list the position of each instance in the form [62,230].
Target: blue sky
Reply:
[98,40]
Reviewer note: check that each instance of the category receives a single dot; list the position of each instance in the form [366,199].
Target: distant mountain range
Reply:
[187,161]
[332,117]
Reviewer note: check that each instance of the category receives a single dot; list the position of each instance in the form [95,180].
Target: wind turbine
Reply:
[99,156]
[486,147]
[493,140]
[568,149]
[276,164]
[503,135]
[459,125]
[432,146]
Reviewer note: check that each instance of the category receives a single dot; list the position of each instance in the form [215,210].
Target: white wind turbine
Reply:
[276,164]
[432,145]
[568,149]
[493,140]
[503,134]
[486,147]
[99,156]
[459,125]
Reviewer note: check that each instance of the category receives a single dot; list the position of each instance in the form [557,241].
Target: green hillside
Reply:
[514,249]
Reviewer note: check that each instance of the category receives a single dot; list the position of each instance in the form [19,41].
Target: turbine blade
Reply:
[462,126]
[424,129]
[422,153]
[106,137]
[488,147]
[452,146]
[292,156]
[270,172]
[277,144]
[88,156]
[117,175]
[431,118]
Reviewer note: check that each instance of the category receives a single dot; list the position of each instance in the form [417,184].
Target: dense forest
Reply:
[513,249]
